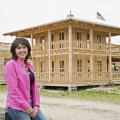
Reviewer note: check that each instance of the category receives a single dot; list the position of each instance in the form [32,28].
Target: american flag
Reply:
[99,16]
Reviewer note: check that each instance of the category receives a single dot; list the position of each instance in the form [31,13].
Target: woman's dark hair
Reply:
[15,44]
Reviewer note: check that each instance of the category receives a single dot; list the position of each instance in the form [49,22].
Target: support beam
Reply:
[70,53]
[31,39]
[49,43]
[91,53]
[110,71]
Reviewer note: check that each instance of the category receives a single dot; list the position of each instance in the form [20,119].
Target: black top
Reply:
[32,78]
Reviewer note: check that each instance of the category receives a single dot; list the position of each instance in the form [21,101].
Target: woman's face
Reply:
[21,51]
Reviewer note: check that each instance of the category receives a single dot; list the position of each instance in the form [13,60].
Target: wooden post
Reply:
[70,54]
[49,44]
[91,53]
[110,71]
[31,39]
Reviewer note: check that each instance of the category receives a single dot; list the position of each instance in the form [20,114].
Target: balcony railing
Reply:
[99,47]
[115,49]
[60,45]
[87,46]
[40,47]
[81,45]
[64,45]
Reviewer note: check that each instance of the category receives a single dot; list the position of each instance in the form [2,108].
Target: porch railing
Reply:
[87,77]
[78,77]
[101,76]
[61,77]
[116,76]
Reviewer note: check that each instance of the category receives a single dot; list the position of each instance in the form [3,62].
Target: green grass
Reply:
[3,88]
[98,96]
[82,94]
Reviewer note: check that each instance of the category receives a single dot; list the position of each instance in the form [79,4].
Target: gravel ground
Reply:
[74,109]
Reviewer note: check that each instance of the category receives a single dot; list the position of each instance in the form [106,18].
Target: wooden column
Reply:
[49,62]
[70,53]
[91,53]
[110,71]
[31,39]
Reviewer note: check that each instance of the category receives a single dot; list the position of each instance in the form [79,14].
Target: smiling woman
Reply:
[23,98]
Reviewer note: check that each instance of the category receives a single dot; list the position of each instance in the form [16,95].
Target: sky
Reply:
[20,14]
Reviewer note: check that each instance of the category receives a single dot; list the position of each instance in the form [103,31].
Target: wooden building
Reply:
[4,57]
[73,52]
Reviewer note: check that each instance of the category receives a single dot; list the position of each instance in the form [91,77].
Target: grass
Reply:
[2,88]
[81,94]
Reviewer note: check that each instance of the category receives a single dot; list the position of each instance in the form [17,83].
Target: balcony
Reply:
[115,50]
[40,49]
[62,47]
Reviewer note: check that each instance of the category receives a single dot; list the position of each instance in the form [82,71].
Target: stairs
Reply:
[72,88]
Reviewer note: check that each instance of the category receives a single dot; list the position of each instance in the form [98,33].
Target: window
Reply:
[62,66]
[88,66]
[61,36]
[99,38]
[52,37]
[42,67]
[53,66]
[78,36]
[42,39]
[99,66]
[88,37]
[42,42]
[79,65]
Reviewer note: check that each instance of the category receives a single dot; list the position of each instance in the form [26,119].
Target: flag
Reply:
[99,16]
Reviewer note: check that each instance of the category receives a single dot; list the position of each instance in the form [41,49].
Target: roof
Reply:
[66,20]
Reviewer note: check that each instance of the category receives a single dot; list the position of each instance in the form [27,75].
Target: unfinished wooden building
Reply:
[4,57]
[73,52]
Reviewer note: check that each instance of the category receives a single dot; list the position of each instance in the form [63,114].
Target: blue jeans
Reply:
[19,115]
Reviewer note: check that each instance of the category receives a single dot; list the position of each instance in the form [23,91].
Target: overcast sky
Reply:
[19,14]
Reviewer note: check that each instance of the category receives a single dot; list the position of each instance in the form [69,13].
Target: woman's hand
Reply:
[36,110]
[29,111]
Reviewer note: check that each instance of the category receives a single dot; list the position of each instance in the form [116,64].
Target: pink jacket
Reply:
[18,84]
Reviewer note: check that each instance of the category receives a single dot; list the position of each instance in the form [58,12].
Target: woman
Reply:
[23,100]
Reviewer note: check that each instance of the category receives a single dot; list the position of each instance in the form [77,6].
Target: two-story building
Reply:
[73,52]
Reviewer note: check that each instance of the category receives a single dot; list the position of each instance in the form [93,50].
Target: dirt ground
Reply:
[74,109]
